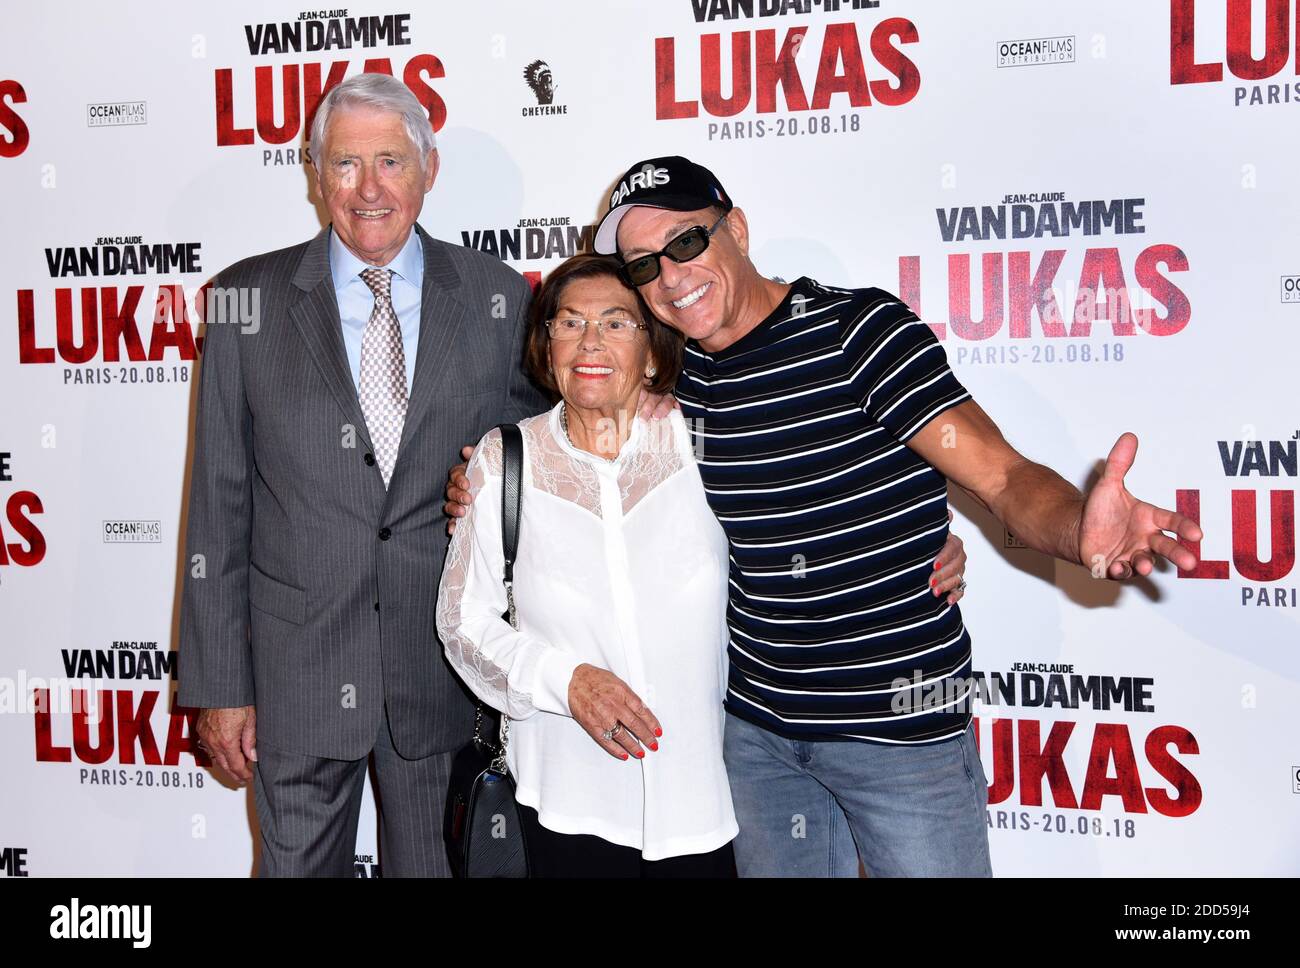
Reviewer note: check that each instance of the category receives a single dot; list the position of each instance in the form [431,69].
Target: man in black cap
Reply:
[827,424]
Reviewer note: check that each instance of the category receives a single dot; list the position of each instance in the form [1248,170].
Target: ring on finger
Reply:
[613,731]
[961,585]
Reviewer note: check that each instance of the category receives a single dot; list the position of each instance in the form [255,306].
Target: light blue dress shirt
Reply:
[356,301]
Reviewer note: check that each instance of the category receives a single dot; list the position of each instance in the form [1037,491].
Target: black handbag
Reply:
[482,826]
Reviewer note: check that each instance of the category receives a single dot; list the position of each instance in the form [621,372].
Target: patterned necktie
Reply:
[383,373]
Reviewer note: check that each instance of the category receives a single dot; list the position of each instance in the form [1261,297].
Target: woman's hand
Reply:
[950,567]
[599,700]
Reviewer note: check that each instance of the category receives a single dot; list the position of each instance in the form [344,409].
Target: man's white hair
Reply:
[377,92]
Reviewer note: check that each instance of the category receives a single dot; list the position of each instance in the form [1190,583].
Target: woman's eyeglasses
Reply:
[564,328]
[684,248]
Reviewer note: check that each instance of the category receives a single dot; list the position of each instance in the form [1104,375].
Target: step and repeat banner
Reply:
[1095,206]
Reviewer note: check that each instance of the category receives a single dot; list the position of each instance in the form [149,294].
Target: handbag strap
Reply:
[512,483]
[512,486]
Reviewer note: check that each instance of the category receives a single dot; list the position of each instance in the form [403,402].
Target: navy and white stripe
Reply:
[833,522]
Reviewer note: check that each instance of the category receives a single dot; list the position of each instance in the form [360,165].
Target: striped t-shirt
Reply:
[833,522]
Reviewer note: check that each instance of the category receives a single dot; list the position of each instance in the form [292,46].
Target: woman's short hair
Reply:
[665,342]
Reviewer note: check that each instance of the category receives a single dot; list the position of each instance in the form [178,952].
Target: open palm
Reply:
[1121,535]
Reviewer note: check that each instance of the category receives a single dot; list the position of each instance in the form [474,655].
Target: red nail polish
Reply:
[936,566]
[622,756]
[640,754]
[658,731]
[654,746]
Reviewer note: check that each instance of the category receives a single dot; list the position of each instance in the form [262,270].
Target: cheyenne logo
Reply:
[541,82]
[647,177]
[539,79]
[102,921]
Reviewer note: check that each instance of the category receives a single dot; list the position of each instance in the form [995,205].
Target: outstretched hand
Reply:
[1119,534]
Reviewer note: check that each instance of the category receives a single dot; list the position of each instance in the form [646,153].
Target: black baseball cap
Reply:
[672,182]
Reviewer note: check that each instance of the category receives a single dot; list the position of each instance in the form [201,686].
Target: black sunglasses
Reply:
[683,248]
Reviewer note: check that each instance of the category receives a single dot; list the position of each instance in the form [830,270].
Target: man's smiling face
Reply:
[699,297]
[372,182]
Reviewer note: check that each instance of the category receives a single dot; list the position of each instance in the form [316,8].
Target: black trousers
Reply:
[551,854]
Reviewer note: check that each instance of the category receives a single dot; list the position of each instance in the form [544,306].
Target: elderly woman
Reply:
[615,678]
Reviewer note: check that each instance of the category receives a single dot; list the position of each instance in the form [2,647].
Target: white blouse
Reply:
[622,565]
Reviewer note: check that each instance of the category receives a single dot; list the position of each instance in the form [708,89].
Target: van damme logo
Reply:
[119,321]
[1084,287]
[292,92]
[1096,767]
[551,237]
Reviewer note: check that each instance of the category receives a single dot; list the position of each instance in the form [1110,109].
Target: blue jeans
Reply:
[911,811]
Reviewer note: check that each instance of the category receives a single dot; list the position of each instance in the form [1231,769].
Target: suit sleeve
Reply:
[215,661]
[522,398]
[898,370]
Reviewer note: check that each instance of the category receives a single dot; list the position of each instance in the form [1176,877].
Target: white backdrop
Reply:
[889,121]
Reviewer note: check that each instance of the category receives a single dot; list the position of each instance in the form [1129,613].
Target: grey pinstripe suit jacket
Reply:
[314,597]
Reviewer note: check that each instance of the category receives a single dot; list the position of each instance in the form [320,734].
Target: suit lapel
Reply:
[316,314]
[441,315]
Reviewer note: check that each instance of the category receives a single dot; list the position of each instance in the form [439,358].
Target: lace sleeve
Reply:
[508,669]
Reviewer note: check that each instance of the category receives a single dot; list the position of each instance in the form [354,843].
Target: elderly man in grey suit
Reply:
[316,536]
